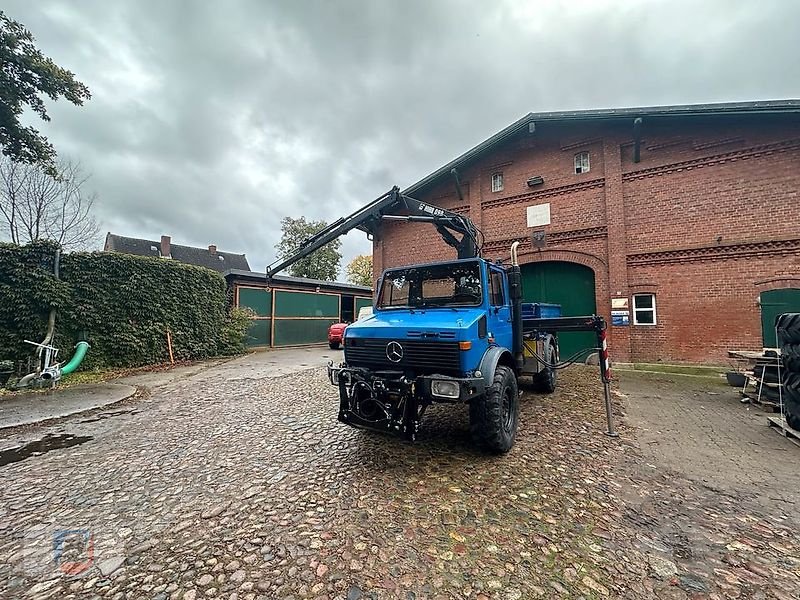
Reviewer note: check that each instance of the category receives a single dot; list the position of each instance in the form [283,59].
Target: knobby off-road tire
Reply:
[791,399]
[790,356]
[789,329]
[494,416]
[545,381]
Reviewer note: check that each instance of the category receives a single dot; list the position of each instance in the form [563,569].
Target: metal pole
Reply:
[605,376]
[609,415]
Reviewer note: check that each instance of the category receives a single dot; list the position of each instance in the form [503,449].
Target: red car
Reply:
[336,331]
[336,335]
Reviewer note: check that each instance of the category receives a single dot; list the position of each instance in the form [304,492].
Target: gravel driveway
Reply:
[249,488]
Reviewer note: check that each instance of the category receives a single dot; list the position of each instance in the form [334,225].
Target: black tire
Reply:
[768,374]
[334,345]
[545,381]
[788,326]
[790,356]
[791,399]
[493,417]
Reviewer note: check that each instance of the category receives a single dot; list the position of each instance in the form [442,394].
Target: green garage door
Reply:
[259,300]
[774,303]
[304,317]
[572,286]
[362,302]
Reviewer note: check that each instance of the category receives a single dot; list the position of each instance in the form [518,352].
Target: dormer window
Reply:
[581,163]
[497,182]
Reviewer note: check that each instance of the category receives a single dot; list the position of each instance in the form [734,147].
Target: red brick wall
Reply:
[706,220]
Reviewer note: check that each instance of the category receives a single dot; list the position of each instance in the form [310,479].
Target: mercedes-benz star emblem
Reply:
[394,352]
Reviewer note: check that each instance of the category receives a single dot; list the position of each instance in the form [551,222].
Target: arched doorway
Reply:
[569,284]
[774,303]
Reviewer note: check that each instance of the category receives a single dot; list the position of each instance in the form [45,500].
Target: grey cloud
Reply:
[211,121]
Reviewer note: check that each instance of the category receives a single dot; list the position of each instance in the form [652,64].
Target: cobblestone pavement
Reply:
[249,488]
[712,490]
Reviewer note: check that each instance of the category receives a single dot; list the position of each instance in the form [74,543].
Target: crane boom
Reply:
[395,206]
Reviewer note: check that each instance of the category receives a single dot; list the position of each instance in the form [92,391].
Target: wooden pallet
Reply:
[780,424]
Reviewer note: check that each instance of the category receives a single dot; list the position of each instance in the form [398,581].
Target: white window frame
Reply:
[651,310]
[497,181]
[578,163]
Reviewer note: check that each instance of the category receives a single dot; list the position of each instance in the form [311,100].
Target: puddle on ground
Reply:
[42,446]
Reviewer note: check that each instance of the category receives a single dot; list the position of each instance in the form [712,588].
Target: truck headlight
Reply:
[445,389]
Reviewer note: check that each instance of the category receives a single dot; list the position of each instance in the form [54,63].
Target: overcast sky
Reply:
[210,121]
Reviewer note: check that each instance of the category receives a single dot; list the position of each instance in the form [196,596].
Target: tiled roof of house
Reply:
[210,257]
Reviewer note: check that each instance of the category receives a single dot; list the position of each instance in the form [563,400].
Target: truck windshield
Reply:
[456,284]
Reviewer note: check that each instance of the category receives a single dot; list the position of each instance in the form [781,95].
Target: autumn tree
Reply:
[37,205]
[359,271]
[27,75]
[322,264]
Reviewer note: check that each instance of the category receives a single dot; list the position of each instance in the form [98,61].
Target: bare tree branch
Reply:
[36,206]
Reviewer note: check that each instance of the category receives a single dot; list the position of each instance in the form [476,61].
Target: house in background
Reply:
[210,257]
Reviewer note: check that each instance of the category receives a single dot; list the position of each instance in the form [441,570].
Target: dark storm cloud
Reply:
[210,121]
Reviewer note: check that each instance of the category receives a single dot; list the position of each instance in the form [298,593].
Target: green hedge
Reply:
[121,304]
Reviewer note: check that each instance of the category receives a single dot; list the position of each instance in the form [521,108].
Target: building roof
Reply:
[609,114]
[339,286]
[202,257]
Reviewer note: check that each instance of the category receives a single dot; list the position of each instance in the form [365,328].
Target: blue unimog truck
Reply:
[453,332]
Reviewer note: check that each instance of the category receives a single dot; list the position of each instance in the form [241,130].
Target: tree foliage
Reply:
[359,271]
[26,75]
[122,304]
[34,205]
[322,264]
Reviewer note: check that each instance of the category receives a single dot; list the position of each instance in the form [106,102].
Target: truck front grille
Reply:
[421,356]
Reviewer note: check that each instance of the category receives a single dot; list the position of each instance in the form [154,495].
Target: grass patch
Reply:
[711,371]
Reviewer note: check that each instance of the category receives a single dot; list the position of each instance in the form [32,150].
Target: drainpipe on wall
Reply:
[637,139]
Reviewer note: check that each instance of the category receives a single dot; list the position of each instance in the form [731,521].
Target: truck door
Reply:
[499,317]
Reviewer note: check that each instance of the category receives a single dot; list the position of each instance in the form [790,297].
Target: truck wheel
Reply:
[545,381]
[494,416]
[334,345]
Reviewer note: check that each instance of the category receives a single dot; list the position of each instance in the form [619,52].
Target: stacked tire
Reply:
[788,329]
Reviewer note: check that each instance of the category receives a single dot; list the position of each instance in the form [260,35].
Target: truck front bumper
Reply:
[393,402]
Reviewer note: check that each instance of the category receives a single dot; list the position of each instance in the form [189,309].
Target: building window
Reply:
[497,182]
[644,309]
[581,163]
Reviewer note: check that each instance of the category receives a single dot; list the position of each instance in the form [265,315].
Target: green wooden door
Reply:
[774,303]
[259,300]
[572,286]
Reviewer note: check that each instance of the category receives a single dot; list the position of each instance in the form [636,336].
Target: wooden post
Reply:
[169,346]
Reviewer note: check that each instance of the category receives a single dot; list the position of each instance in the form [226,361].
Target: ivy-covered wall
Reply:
[122,305]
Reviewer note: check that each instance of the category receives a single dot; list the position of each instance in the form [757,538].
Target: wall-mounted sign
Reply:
[619,304]
[620,317]
[539,215]
[539,238]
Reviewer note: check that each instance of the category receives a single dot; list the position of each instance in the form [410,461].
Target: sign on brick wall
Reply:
[539,215]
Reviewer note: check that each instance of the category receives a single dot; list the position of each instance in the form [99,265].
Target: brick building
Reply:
[685,218]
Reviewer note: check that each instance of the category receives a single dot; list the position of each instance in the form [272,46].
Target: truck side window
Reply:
[497,289]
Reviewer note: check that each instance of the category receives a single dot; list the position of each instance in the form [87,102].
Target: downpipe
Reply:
[515,286]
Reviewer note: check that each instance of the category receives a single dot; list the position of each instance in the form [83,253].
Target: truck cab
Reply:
[437,318]
[440,332]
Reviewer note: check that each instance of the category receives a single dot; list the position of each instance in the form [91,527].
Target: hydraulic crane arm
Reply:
[394,206]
